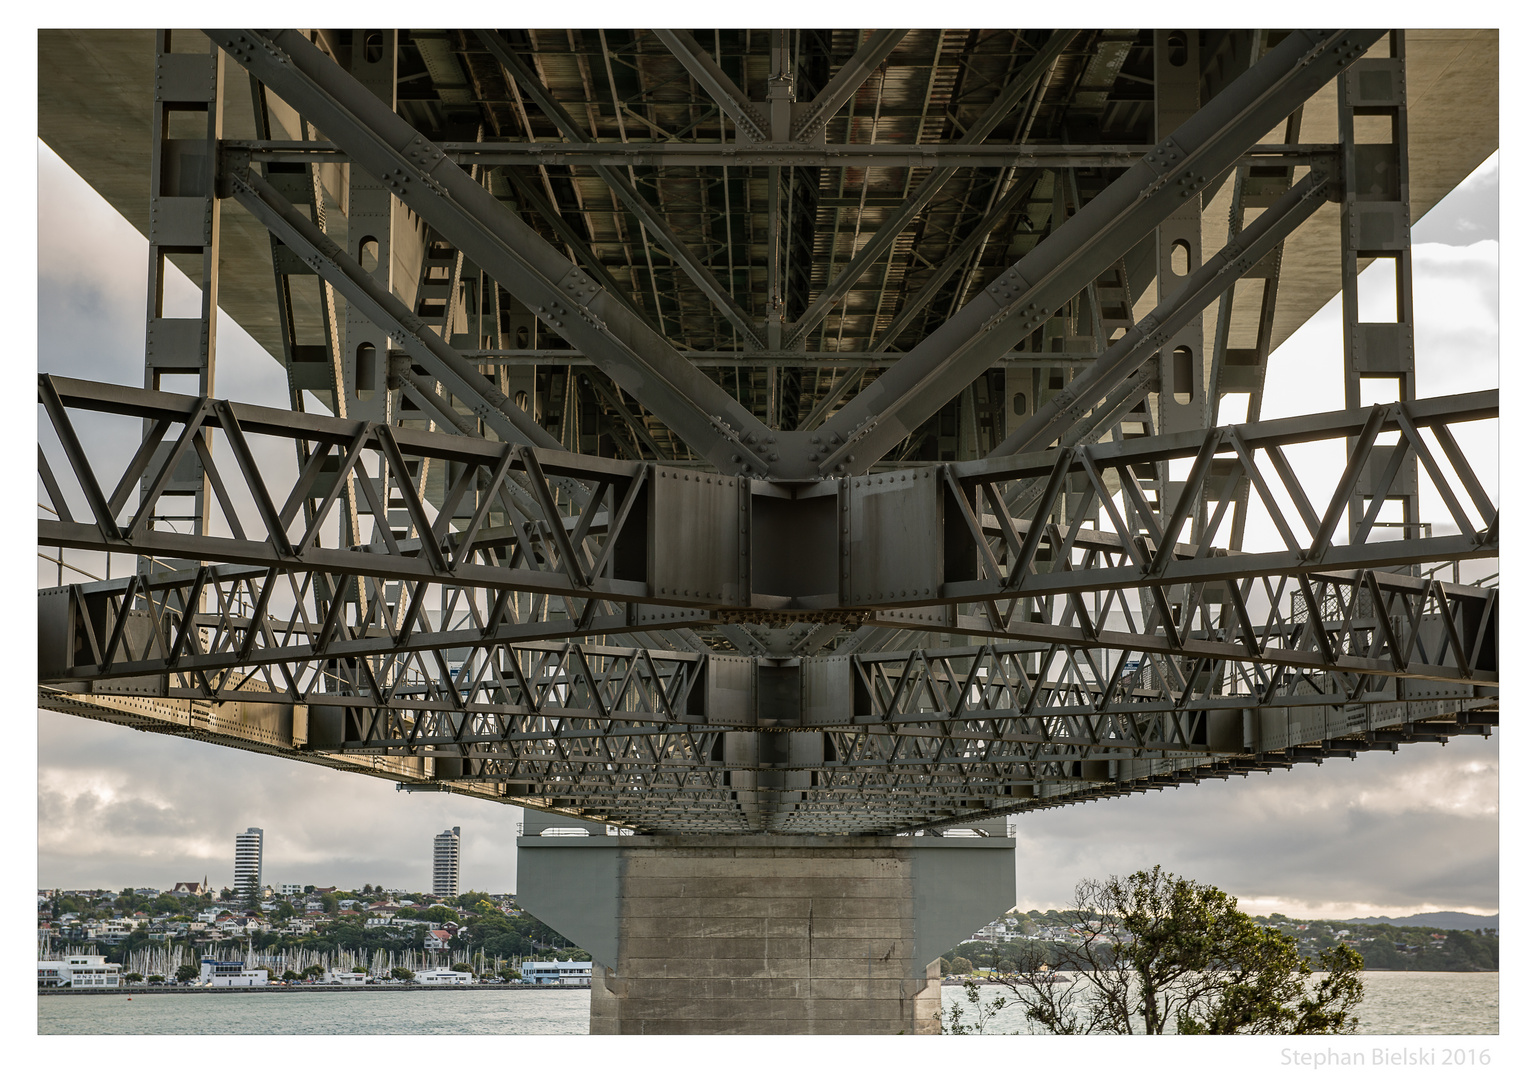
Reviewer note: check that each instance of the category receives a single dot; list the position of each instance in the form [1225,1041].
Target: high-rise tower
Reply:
[448,862]
[248,850]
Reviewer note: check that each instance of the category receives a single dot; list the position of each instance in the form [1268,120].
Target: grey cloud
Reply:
[1304,836]
[116,805]
[1471,212]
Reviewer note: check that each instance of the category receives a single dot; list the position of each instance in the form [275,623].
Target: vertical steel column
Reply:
[1379,350]
[518,381]
[374,63]
[183,226]
[365,347]
[1182,404]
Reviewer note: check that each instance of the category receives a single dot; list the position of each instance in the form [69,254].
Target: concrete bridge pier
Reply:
[763,934]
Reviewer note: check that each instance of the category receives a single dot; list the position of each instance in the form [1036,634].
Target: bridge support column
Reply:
[766,934]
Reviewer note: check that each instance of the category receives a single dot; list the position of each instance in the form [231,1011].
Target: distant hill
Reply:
[1438,920]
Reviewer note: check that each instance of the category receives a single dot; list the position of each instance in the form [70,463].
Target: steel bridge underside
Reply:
[773,431]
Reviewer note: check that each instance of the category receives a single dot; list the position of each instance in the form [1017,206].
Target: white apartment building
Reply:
[248,851]
[448,862]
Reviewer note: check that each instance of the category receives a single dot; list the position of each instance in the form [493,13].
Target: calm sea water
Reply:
[1395,1003]
[364,1012]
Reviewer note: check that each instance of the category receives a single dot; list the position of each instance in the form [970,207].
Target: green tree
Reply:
[290,976]
[958,966]
[403,974]
[462,967]
[156,979]
[132,977]
[313,971]
[472,901]
[187,973]
[1156,953]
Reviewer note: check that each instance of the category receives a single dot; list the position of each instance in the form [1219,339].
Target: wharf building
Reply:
[225,973]
[557,972]
[77,972]
[248,852]
[448,862]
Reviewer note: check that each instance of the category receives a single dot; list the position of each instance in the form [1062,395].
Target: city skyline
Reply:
[248,860]
[1413,832]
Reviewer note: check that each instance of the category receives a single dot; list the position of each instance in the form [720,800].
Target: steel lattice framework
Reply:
[692,459]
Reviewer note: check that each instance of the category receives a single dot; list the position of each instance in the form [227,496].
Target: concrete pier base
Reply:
[765,935]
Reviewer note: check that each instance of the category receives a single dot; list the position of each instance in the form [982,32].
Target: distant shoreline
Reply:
[317,988]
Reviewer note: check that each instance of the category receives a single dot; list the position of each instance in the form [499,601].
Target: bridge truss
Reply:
[695,460]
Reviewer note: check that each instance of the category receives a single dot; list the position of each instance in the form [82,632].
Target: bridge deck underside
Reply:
[594,537]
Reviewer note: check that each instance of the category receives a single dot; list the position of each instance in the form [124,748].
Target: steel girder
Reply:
[629,196]
[868,427]
[880,243]
[500,560]
[493,152]
[1119,655]
[1001,514]
[417,171]
[1075,254]
[886,771]
[364,293]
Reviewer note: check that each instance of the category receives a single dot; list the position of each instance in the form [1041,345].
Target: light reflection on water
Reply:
[1395,1003]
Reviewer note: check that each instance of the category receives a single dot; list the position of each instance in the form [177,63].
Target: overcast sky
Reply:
[1386,834]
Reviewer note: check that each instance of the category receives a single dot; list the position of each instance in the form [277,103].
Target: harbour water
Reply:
[361,1012]
[1395,1003]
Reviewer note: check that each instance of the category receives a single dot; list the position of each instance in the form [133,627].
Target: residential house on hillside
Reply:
[111,931]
